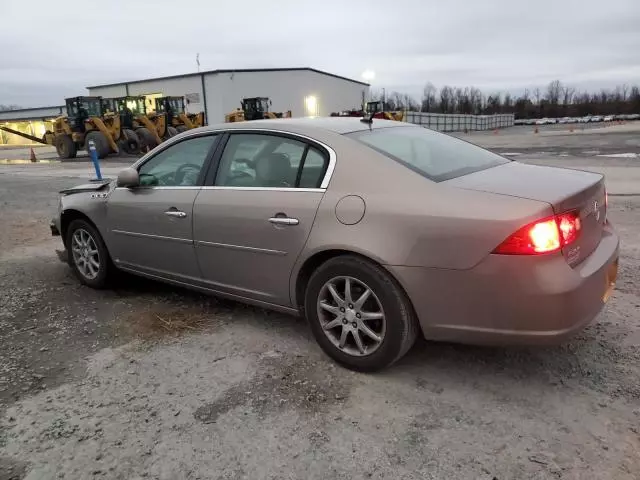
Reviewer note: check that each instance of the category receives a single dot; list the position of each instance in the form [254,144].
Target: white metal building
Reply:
[304,91]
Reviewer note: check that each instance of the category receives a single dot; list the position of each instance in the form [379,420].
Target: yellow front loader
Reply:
[254,108]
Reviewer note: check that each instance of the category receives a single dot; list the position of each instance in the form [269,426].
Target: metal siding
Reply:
[169,87]
[215,112]
[109,92]
[30,114]
[286,89]
[178,87]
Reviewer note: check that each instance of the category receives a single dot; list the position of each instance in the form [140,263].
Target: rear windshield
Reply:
[434,155]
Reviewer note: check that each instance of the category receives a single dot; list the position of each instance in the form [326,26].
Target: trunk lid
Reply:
[562,188]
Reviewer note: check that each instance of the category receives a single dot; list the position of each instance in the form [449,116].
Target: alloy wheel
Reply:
[351,316]
[85,254]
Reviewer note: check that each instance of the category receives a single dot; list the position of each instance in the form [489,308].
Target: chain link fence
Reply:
[443,122]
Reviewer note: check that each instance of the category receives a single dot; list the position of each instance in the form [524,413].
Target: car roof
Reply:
[333,124]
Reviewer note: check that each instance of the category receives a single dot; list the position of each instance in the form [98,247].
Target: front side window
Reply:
[433,155]
[179,165]
[270,161]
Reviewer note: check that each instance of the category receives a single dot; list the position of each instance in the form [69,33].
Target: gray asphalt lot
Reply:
[149,381]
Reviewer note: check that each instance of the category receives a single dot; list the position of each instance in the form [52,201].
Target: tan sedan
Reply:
[373,231]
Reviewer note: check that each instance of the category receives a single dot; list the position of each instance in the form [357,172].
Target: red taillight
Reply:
[544,236]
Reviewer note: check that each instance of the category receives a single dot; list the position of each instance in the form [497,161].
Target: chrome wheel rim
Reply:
[85,254]
[351,316]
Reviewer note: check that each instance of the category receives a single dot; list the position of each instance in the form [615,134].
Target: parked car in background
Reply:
[596,118]
[608,118]
[564,120]
[372,230]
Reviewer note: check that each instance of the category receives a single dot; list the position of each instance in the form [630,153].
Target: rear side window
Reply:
[270,161]
[431,154]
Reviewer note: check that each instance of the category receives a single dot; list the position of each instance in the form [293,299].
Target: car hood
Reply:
[86,187]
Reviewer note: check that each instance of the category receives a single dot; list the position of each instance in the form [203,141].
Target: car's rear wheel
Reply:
[88,255]
[358,314]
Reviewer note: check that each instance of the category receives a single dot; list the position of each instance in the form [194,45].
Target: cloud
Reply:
[493,44]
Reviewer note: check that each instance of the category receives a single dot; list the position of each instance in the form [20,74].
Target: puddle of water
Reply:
[22,161]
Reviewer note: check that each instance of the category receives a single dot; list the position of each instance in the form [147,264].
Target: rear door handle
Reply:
[284,221]
[175,213]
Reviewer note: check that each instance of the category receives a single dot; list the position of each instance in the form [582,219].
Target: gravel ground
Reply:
[146,381]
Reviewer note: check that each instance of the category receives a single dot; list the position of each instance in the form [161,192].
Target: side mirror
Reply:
[128,178]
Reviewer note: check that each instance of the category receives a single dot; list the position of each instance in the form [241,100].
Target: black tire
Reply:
[65,147]
[171,132]
[147,140]
[100,141]
[401,323]
[105,269]
[181,128]
[129,142]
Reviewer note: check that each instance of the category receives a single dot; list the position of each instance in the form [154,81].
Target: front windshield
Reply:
[175,104]
[135,105]
[264,104]
[92,107]
[434,155]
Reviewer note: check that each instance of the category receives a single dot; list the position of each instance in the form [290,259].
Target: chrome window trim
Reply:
[267,189]
[222,187]
[186,135]
[160,187]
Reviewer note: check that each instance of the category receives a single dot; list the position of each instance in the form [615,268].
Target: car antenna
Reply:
[367,118]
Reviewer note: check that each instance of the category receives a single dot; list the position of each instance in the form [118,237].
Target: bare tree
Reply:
[537,95]
[557,100]
[624,88]
[507,106]
[567,94]
[428,97]
[476,100]
[554,91]
[446,99]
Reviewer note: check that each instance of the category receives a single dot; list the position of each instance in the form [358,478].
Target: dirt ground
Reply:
[147,381]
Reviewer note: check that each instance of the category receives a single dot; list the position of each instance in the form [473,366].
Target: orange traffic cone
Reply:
[32,156]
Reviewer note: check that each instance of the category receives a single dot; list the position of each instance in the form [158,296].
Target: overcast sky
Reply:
[51,50]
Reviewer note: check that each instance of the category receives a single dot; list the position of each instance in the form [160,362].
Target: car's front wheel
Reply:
[358,314]
[88,255]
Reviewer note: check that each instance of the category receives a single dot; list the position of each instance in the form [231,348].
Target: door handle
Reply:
[284,221]
[175,213]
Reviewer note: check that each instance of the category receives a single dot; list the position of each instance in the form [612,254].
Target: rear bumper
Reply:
[512,299]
